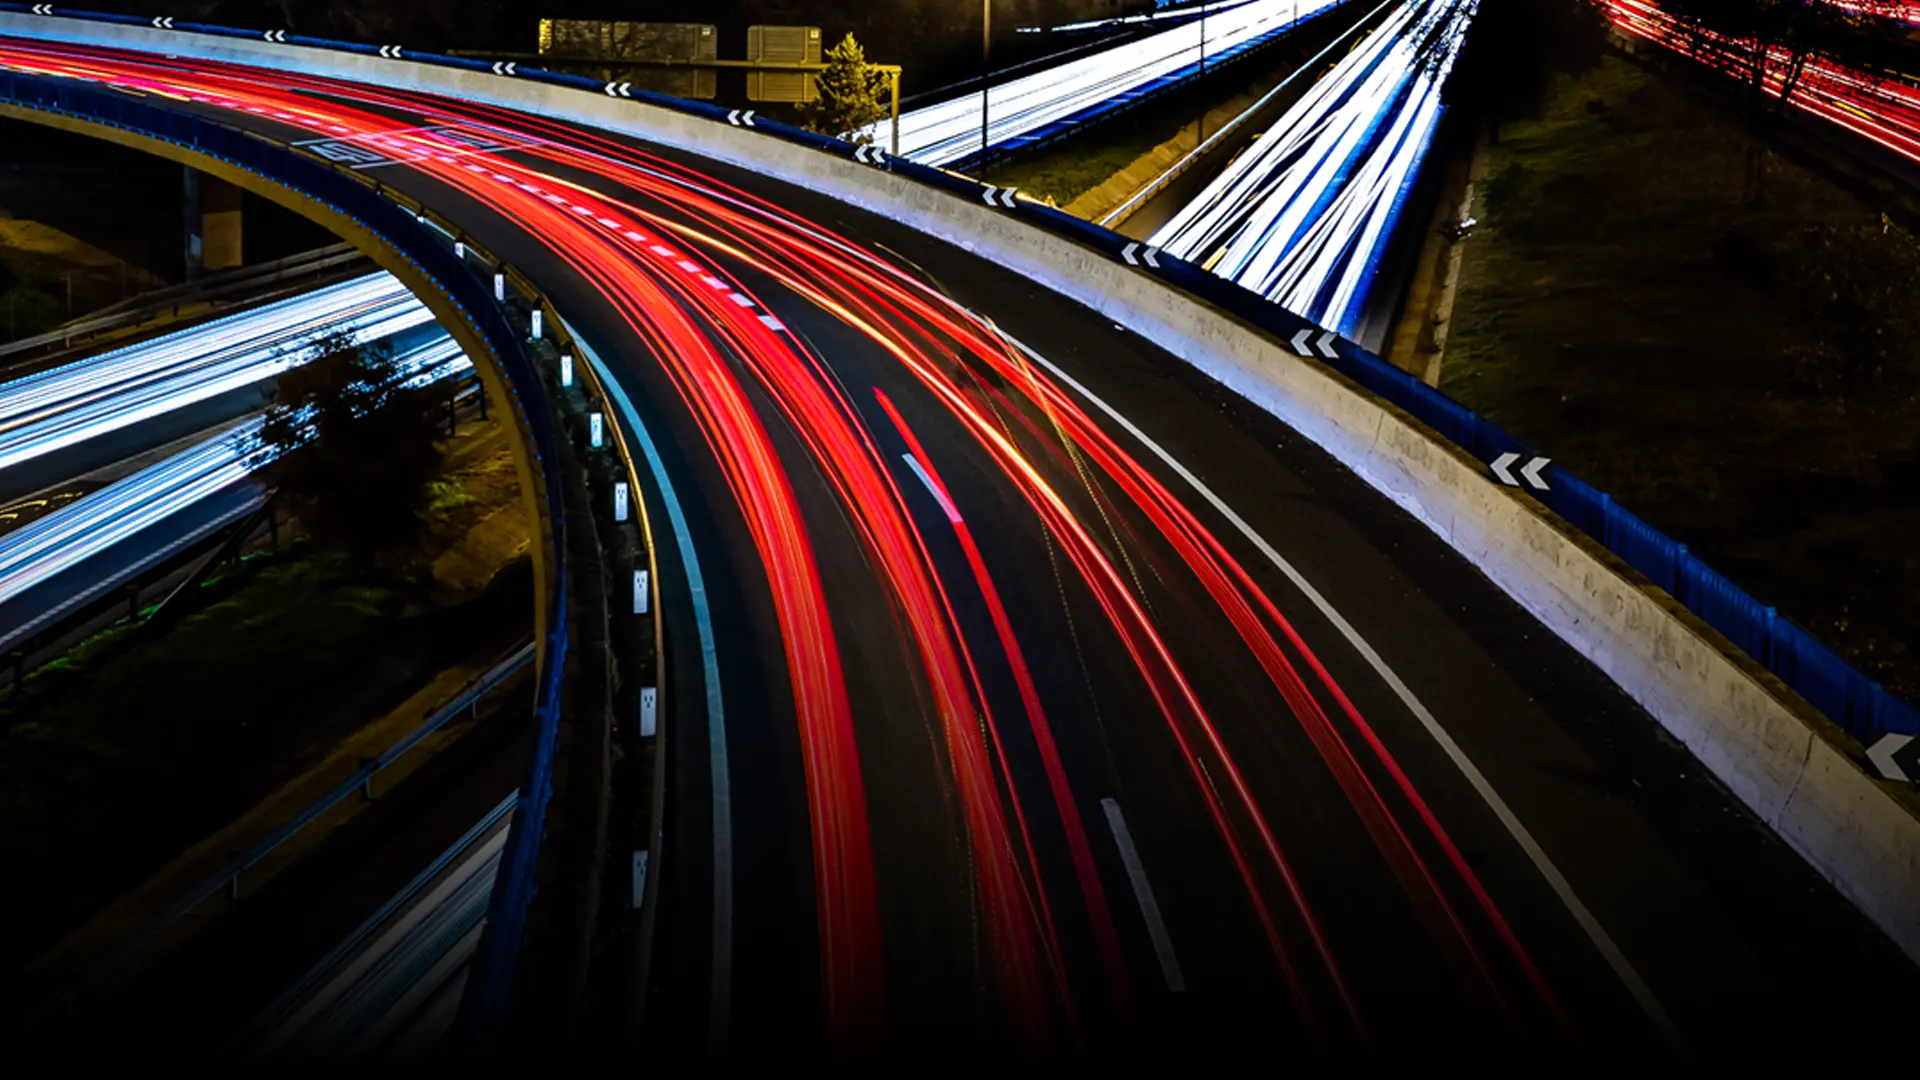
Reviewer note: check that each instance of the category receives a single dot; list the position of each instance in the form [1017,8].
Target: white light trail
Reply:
[63,406]
[1304,214]
[949,131]
[37,551]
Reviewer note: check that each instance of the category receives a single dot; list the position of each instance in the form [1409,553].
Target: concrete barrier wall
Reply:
[1798,772]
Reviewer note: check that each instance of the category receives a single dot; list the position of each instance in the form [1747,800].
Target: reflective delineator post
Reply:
[620,500]
[566,369]
[499,287]
[596,429]
[641,590]
[536,324]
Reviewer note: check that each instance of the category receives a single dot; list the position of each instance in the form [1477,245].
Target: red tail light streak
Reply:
[664,245]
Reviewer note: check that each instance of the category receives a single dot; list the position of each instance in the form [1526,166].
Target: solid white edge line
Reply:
[1622,967]
[1143,893]
[719,770]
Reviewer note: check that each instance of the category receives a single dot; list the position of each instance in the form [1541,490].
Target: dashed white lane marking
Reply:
[1143,893]
[1623,969]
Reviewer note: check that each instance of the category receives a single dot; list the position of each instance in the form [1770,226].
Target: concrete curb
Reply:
[1776,753]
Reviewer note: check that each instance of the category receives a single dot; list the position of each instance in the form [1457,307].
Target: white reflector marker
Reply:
[499,287]
[620,500]
[1143,892]
[536,324]
[596,429]
[649,710]
[566,369]
[639,878]
[642,592]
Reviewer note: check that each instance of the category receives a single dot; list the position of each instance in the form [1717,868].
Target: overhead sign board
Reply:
[782,45]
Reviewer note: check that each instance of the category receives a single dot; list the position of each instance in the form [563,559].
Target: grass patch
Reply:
[1722,339]
[138,743]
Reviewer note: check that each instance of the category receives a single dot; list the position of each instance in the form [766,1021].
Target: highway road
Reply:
[948,132]
[1305,215]
[1039,700]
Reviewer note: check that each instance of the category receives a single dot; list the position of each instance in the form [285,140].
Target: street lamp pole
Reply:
[1203,63]
[986,65]
[1203,39]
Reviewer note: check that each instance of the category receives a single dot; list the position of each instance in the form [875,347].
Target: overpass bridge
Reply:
[1045,647]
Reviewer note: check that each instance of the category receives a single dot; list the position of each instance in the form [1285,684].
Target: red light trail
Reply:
[719,344]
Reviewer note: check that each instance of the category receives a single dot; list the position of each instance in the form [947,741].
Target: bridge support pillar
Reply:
[210,213]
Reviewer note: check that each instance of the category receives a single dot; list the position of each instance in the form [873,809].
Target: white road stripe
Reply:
[1143,892]
[946,505]
[719,771]
[1622,967]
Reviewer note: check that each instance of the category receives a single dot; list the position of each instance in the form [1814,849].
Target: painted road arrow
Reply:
[1896,757]
[1530,471]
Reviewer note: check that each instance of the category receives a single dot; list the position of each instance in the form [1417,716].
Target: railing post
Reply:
[1771,658]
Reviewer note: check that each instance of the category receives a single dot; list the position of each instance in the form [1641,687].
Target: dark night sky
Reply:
[937,40]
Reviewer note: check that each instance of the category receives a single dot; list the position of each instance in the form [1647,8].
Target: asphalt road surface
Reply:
[1065,705]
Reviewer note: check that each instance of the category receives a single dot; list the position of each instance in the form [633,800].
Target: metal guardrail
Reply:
[228,878]
[1856,703]
[330,963]
[1849,698]
[146,305]
[1124,210]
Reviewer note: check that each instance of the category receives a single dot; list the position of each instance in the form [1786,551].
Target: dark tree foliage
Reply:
[1516,48]
[350,449]
[1770,42]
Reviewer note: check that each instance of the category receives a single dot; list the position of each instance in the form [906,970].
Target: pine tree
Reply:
[852,95]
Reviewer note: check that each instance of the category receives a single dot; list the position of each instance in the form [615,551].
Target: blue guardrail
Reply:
[1854,702]
[485,1004]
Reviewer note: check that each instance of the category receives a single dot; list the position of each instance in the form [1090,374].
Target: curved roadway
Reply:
[1068,706]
